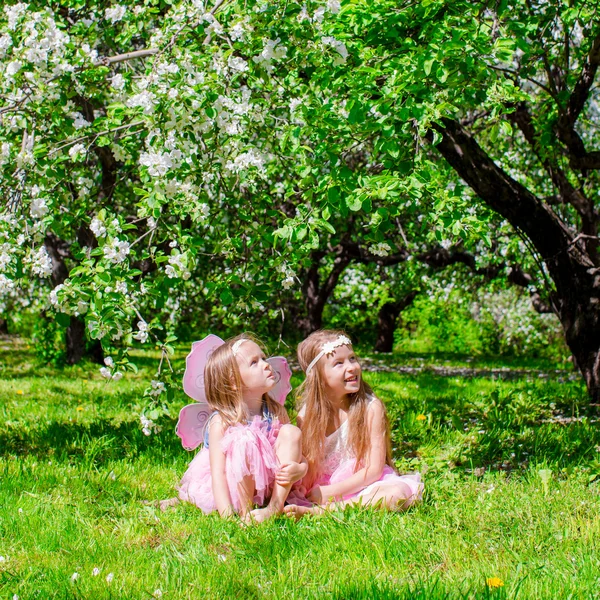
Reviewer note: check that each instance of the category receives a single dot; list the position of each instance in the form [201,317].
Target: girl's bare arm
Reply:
[375,460]
[217,468]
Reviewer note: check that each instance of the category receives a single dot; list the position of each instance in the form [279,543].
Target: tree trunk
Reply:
[387,320]
[3,327]
[576,300]
[317,294]
[75,335]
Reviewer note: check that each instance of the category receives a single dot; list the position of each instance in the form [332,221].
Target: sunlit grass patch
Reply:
[510,469]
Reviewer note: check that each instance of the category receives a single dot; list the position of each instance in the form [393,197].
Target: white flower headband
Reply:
[235,348]
[328,348]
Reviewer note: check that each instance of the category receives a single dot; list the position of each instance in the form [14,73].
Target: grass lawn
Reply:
[510,511]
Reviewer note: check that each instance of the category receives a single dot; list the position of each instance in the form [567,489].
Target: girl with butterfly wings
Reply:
[252,455]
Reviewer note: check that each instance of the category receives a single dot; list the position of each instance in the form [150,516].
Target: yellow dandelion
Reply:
[85,380]
[20,392]
[421,418]
[80,408]
[494,582]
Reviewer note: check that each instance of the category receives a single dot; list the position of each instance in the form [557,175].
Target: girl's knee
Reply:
[401,497]
[289,434]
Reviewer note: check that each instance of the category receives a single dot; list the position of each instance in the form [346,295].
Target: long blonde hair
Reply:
[312,396]
[224,384]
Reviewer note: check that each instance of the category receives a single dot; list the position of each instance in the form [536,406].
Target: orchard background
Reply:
[422,174]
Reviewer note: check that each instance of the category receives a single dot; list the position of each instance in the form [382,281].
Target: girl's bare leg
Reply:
[164,504]
[396,497]
[246,493]
[288,448]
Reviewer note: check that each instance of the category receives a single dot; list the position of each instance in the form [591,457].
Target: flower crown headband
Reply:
[236,347]
[328,348]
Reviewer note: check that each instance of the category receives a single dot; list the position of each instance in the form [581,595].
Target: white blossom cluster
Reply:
[245,160]
[148,425]
[41,263]
[116,250]
[338,46]
[178,266]
[142,333]
[109,372]
[157,388]
[272,50]
[380,249]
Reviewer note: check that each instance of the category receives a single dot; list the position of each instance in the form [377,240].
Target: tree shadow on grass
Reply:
[95,443]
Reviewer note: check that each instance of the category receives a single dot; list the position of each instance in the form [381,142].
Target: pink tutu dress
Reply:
[339,464]
[249,450]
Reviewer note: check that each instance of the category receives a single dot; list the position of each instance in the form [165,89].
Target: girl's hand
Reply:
[291,472]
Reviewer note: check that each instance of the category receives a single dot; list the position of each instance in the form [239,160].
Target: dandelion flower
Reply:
[20,392]
[421,418]
[494,582]
[80,408]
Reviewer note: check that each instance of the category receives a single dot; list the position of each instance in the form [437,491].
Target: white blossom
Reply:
[243,161]
[6,284]
[338,46]
[117,376]
[142,333]
[116,251]
[109,362]
[97,227]
[237,64]
[109,577]
[95,571]
[41,263]
[145,99]
[14,13]
[75,577]
[158,163]
[12,68]
[76,150]
[380,249]
[158,387]
[117,81]
[115,14]
[39,208]
[79,122]
[105,373]
[333,6]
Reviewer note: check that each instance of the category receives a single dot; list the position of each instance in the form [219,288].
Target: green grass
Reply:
[75,470]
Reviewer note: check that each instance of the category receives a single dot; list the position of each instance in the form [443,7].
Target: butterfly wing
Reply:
[192,423]
[193,378]
[283,374]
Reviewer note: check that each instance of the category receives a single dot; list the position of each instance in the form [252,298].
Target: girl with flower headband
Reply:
[345,433]
[251,453]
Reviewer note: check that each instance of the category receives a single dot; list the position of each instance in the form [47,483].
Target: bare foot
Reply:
[164,504]
[297,512]
[258,515]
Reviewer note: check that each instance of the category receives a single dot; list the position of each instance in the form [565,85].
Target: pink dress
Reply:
[249,450]
[340,461]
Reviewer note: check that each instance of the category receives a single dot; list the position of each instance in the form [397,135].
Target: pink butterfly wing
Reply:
[283,374]
[192,423]
[193,378]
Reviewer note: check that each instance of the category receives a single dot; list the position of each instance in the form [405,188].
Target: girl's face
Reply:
[256,373]
[341,372]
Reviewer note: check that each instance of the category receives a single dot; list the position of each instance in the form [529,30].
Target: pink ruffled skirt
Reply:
[249,451]
[389,479]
